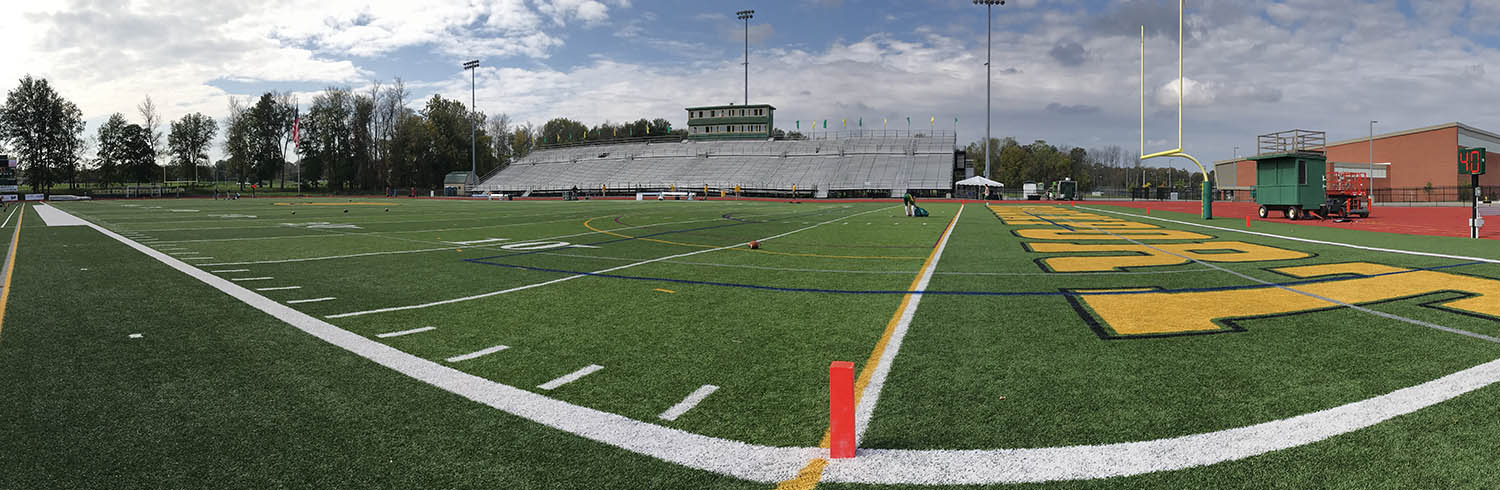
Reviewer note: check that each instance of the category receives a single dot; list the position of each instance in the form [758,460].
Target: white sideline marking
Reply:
[1304,240]
[866,407]
[479,353]
[9,216]
[226,271]
[883,466]
[135,336]
[310,300]
[238,279]
[688,403]
[404,332]
[576,276]
[570,377]
[55,217]
[279,288]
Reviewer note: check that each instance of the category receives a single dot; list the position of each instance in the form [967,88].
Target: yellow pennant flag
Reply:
[883,122]
[845,122]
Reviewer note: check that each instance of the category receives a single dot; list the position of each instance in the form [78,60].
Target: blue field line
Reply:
[964,293]
[737,222]
[1054,223]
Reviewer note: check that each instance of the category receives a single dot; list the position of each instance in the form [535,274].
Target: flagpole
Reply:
[297,144]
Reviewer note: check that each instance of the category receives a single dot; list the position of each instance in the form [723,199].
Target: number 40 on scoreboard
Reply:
[1471,161]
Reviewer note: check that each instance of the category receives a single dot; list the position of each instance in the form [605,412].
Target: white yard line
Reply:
[197,258]
[310,300]
[240,279]
[692,400]
[877,466]
[9,216]
[866,407]
[439,249]
[279,288]
[570,377]
[1304,240]
[399,333]
[346,256]
[478,353]
[576,276]
[226,271]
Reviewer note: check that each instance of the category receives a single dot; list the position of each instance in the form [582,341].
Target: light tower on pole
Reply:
[472,66]
[745,15]
[988,40]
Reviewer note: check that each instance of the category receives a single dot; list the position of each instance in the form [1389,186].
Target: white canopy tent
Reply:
[979,180]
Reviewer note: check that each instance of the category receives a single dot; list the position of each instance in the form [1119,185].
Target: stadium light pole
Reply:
[988,40]
[745,15]
[1370,176]
[472,66]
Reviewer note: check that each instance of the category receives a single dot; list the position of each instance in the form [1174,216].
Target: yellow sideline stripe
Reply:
[807,478]
[668,291]
[10,264]
[588,224]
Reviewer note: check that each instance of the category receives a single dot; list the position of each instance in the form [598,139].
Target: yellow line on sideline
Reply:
[668,291]
[587,224]
[10,264]
[807,478]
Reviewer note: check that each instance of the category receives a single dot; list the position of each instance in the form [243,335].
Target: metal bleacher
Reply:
[835,161]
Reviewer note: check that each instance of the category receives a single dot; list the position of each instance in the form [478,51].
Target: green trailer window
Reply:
[1301,172]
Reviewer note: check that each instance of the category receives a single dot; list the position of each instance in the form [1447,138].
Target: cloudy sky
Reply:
[1065,71]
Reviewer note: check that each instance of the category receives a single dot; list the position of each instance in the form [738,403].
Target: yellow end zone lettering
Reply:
[1156,255]
[1061,234]
[1141,314]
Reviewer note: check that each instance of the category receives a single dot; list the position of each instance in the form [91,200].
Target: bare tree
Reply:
[499,131]
[151,122]
[390,108]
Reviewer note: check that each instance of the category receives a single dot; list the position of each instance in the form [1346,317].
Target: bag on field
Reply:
[920,212]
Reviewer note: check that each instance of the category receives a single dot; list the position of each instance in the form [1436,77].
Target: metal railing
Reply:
[1290,141]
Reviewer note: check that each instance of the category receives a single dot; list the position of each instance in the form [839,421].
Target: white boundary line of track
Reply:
[884,466]
[576,276]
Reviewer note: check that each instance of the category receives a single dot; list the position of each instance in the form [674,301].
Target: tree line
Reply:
[341,141]
[1013,164]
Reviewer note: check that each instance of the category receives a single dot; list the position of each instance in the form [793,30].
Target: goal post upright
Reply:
[1207,194]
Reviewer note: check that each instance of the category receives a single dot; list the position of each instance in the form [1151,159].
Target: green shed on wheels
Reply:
[1289,171]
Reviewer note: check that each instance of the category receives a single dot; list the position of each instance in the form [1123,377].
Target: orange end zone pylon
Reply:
[841,409]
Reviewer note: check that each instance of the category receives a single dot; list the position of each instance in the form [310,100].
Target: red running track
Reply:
[1431,221]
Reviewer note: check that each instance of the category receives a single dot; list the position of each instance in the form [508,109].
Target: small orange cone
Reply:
[1148,211]
[1247,221]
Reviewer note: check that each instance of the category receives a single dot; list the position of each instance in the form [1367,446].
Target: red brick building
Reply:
[1405,160]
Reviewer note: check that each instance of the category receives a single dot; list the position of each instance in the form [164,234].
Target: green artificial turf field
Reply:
[401,343]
